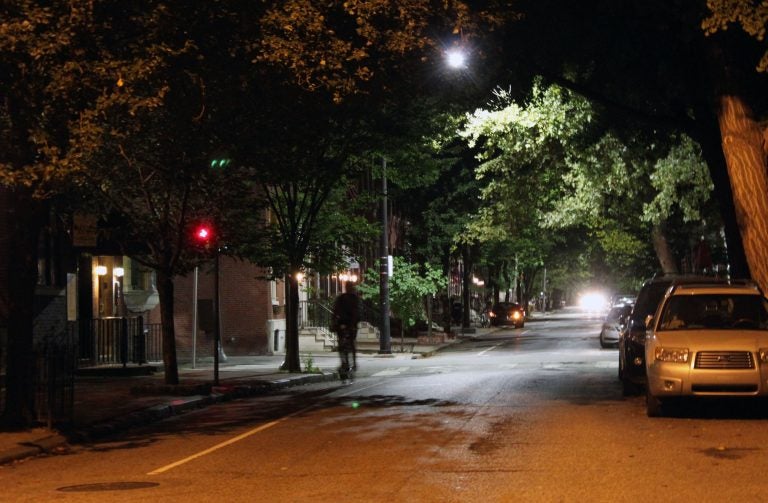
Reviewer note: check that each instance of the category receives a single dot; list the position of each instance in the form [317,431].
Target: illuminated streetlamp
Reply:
[456,58]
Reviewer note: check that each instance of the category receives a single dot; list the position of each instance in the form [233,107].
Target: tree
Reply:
[92,87]
[148,142]
[751,15]
[584,180]
[652,62]
[409,285]
[40,98]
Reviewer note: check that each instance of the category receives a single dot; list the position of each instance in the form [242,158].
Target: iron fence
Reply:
[314,313]
[111,341]
[54,379]
[318,313]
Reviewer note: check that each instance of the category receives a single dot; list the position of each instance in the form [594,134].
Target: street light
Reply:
[456,58]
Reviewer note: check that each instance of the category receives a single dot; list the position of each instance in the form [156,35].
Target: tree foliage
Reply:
[342,46]
[409,285]
[584,176]
[751,15]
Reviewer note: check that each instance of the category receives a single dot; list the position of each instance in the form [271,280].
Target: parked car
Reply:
[632,336]
[707,340]
[507,313]
[612,324]
[622,298]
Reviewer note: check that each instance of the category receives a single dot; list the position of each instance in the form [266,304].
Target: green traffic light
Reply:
[220,163]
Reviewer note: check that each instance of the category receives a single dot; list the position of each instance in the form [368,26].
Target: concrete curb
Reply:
[177,406]
[44,445]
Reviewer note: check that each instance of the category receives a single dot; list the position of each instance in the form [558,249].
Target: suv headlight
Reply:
[763,354]
[673,355]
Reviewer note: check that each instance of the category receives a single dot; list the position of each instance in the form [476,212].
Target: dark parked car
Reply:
[508,313]
[632,337]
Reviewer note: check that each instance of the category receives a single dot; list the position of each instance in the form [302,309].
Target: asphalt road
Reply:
[532,414]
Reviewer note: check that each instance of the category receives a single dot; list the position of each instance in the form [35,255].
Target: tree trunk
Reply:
[165,292]
[663,253]
[292,361]
[23,220]
[709,137]
[745,152]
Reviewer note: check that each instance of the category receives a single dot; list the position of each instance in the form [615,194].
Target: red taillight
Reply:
[516,315]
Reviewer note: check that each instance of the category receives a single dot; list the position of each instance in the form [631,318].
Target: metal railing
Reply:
[315,313]
[54,379]
[111,341]
[318,313]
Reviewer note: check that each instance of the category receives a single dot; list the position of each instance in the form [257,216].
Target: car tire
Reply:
[603,344]
[628,388]
[653,405]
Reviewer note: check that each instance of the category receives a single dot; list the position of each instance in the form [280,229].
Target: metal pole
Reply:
[216,317]
[384,340]
[194,319]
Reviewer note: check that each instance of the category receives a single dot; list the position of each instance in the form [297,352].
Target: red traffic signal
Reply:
[203,233]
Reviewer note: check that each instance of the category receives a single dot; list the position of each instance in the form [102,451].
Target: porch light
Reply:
[101,270]
[118,272]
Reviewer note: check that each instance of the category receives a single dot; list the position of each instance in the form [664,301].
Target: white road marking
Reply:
[390,372]
[481,353]
[226,443]
[607,365]
[249,433]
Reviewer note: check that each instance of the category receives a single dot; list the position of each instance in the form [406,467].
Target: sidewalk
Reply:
[108,401]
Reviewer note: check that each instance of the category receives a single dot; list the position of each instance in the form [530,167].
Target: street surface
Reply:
[532,414]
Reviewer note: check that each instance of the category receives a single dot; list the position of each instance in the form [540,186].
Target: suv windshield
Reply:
[714,311]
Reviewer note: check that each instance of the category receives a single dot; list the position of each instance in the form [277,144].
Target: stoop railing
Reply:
[116,341]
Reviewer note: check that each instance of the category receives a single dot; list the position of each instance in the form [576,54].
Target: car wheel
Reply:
[653,405]
[603,344]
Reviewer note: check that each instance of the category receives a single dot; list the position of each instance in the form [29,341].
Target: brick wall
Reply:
[245,308]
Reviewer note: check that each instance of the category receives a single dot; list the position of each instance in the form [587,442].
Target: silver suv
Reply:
[707,340]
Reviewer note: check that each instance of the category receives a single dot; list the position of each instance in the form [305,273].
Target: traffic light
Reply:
[220,163]
[203,234]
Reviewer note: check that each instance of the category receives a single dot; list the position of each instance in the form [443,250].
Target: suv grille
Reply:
[724,360]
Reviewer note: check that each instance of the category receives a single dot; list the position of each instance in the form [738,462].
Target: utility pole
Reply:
[384,339]
[216,319]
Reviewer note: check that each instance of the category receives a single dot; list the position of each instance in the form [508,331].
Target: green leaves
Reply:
[408,287]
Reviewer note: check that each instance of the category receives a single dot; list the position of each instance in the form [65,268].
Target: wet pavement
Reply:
[110,400]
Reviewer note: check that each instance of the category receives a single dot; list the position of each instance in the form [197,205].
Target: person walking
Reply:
[346,315]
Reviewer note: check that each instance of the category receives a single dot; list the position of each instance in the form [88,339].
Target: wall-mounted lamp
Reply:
[101,270]
[348,277]
[118,272]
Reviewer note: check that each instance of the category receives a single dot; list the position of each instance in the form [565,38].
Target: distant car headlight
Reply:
[672,355]
[763,353]
[516,315]
[492,315]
